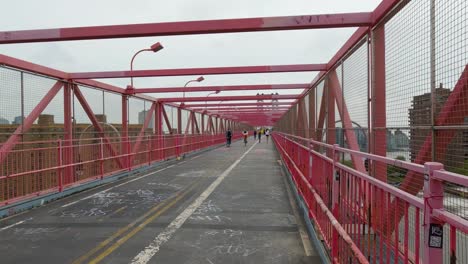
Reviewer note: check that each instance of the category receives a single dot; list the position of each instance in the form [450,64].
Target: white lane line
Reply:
[195,157]
[108,189]
[170,166]
[145,255]
[15,224]
[182,162]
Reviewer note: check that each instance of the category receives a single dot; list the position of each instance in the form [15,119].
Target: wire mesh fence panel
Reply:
[11,108]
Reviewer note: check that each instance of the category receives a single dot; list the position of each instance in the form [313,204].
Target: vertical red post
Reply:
[125,142]
[433,228]
[335,201]
[379,102]
[59,165]
[101,157]
[202,124]
[179,120]
[312,125]
[331,132]
[158,121]
[377,132]
[68,133]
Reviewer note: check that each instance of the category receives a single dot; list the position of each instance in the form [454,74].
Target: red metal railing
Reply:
[364,220]
[36,168]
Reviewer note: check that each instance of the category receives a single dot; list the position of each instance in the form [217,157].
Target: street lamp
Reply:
[206,102]
[154,48]
[199,79]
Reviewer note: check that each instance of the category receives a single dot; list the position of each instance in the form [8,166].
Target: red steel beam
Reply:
[97,125]
[149,116]
[243,108]
[268,103]
[189,27]
[42,70]
[7,146]
[229,98]
[199,71]
[222,88]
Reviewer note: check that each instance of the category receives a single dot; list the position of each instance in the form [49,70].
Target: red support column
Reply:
[433,228]
[158,130]
[68,176]
[378,121]
[312,125]
[179,121]
[125,146]
[379,137]
[331,132]
[203,123]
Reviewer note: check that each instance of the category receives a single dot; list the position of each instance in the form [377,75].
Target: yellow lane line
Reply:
[113,213]
[140,226]
[121,231]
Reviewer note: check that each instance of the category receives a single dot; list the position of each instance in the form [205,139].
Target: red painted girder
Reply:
[42,70]
[384,8]
[8,145]
[202,106]
[92,117]
[189,27]
[199,71]
[260,108]
[222,88]
[31,67]
[141,134]
[229,98]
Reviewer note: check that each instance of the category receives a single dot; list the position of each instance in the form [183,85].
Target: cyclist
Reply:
[245,134]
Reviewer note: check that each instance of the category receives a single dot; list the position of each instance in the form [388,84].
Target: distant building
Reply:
[401,140]
[142,117]
[420,115]
[361,137]
[4,121]
[18,120]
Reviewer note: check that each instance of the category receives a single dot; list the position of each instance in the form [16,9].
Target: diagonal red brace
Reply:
[28,121]
[96,124]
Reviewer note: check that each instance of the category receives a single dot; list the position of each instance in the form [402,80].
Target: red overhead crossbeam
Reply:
[260,108]
[199,71]
[229,98]
[42,70]
[189,27]
[267,103]
[223,88]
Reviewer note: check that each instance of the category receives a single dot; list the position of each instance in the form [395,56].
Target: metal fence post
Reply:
[60,163]
[149,148]
[101,157]
[433,228]
[335,200]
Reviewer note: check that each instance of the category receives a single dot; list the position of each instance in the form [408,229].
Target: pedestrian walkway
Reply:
[227,205]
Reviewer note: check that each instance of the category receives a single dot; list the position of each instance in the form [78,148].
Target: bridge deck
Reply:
[227,205]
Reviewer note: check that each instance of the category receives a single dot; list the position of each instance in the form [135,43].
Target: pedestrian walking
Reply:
[259,135]
[267,134]
[255,134]
[228,137]
[245,134]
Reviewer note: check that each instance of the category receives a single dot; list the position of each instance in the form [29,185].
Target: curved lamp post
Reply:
[199,79]
[206,102]
[154,48]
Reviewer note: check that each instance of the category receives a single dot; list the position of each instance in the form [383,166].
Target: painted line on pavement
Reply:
[153,248]
[108,189]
